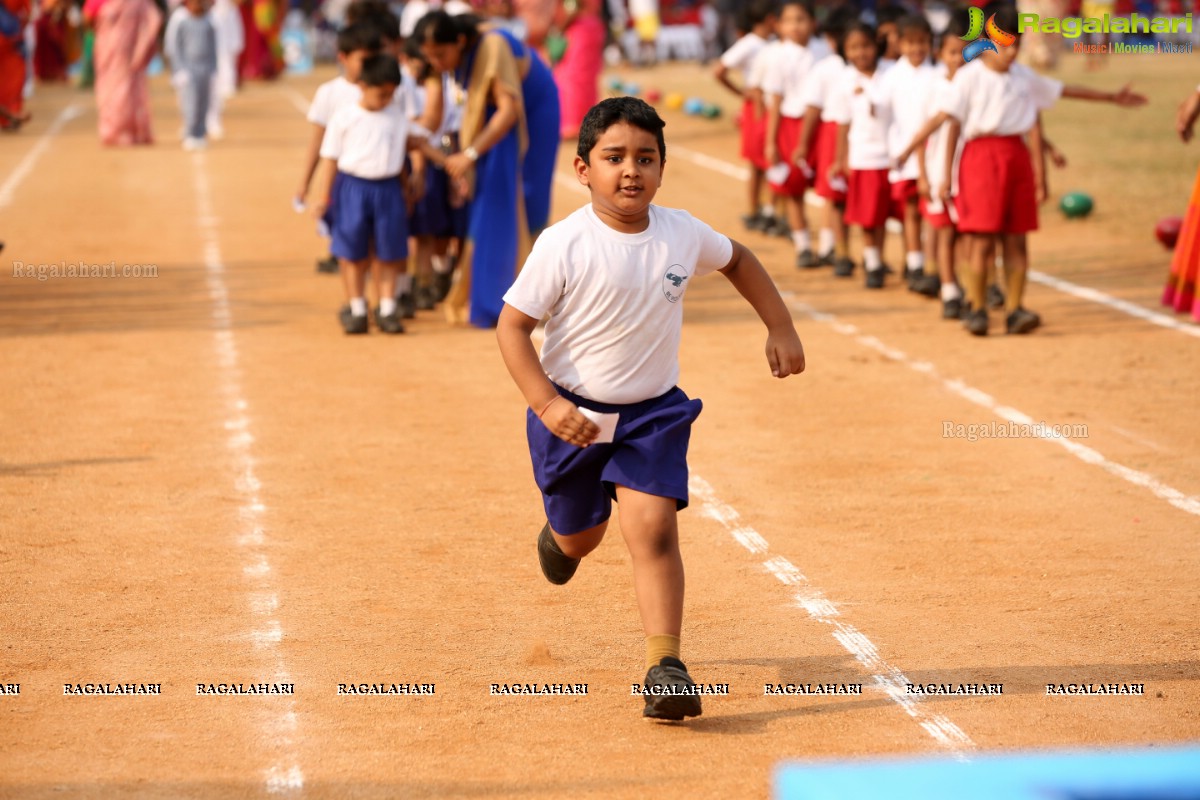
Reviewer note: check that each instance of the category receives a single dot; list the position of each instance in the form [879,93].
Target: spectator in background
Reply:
[14,15]
[57,41]
[231,40]
[578,72]
[646,22]
[126,40]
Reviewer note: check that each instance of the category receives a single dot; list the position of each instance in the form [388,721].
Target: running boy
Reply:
[611,277]
[993,103]
[366,143]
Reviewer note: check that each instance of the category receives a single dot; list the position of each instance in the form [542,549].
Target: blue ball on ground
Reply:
[693,106]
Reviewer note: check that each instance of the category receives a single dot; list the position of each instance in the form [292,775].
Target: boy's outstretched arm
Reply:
[560,415]
[1125,96]
[785,354]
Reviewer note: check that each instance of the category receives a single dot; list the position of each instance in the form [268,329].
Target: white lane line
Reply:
[25,166]
[1124,306]
[1088,455]
[297,100]
[283,775]
[1078,291]
[884,677]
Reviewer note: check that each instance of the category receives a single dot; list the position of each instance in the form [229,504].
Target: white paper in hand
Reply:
[607,423]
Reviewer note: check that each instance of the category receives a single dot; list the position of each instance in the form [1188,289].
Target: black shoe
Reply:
[911,276]
[407,305]
[807,260]
[328,266]
[952,309]
[755,221]
[995,297]
[426,298]
[843,267]
[1021,321]
[777,227]
[442,284]
[926,284]
[874,279]
[557,566]
[825,260]
[350,323]
[390,323]
[667,690]
[976,321]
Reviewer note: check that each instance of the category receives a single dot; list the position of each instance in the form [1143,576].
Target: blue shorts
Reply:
[648,454]
[369,213]
[432,215]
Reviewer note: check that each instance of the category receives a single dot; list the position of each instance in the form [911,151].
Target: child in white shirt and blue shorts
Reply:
[606,420]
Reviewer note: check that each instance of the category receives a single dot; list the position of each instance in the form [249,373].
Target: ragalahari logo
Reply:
[994,37]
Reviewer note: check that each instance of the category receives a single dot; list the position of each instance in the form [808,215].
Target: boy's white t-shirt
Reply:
[369,144]
[820,83]
[614,300]
[786,76]
[330,96]
[901,102]
[850,103]
[991,103]
[762,63]
[742,53]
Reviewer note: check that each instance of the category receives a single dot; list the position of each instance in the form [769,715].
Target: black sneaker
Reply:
[777,227]
[825,260]
[328,266]
[874,279]
[926,284]
[911,276]
[668,692]
[390,323]
[976,321]
[952,309]
[1021,321]
[995,297]
[407,305]
[807,260]
[843,267]
[350,323]
[557,566]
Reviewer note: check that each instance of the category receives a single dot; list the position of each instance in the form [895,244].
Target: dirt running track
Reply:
[202,481]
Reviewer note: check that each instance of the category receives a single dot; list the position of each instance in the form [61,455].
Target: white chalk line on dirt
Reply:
[25,166]
[885,678]
[984,400]
[1075,290]
[284,774]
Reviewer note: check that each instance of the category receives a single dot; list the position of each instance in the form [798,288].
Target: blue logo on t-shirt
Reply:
[675,283]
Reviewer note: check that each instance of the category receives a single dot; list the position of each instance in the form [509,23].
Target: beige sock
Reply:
[660,646]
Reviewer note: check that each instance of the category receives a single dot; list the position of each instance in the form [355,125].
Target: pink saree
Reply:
[126,39]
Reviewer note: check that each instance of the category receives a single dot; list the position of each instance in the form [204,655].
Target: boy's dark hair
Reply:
[358,36]
[754,13]
[1006,17]
[606,113]
[837,21]
[417,63]
[914,23]
[889,13]
[380,70]
[858,26]
[807,5]
[377,13]
[442,28]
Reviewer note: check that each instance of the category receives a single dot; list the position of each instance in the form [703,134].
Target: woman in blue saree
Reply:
[509,136]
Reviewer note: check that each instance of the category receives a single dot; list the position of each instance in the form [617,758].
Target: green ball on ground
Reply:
[1076,205]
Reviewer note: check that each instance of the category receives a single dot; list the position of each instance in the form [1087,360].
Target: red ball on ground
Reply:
[1167,231]
[653,95]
